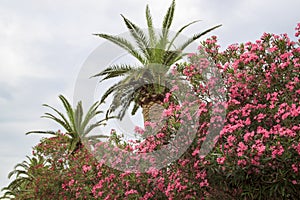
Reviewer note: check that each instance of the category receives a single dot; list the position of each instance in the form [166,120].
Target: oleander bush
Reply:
[257,154]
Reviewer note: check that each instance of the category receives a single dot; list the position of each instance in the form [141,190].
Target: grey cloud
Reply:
[5,92]
[243,20]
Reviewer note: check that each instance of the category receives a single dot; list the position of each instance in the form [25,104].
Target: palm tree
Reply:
[145,85]
[76,124]
[22,186]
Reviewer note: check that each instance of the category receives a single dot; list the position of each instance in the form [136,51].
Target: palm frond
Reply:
[91,127]
[92,112]
[74,145]
[102,122]
[161,45]
[111,90]
[171,57]
[78,118]
[123,99]
[135,108]
[69,111]
[135,74]
[123,43]
[139,36]
[18,182]
[42,132]
[93,137]
[8,194]
[178,33]
[151,32]
[195,37]
[114,71]
[124,106]
[65,124]
[169,17]
[17,173]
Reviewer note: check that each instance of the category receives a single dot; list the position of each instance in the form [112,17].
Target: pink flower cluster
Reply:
[262,126]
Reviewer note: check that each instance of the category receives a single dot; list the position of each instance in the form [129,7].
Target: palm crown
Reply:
[77,125]
[156,53]
[24,174]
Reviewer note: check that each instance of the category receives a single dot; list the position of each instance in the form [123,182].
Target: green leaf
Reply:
[169,17]
[178,33]
[151,32]
[65,121]
[114,71]
[195,37]
[139,36]
[42,132]
[69,111]
[123,43]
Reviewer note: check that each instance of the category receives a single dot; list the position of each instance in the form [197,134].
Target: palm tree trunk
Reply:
[152,111]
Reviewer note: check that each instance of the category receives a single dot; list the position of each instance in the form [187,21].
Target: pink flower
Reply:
[147,196]
[71,182]
[247,121]
[86,168]
[277,150]
[160,135]
[261,148]
[248,136]
[260,116]
[286,55]
[100,194]
[175,87]
[255,162]
[295,168]
[294,111]
[139,130]
[131,192]
[204,183]
[167,112]
[231,139]
[264,132]
[297,30]
[242,163]
[285,115]
[153,172]
[167,97]
[241,148]
[221,160]
[152,124]
[195,152]
[202,175]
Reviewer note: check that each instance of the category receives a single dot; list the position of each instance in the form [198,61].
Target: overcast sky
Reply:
[43,45]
